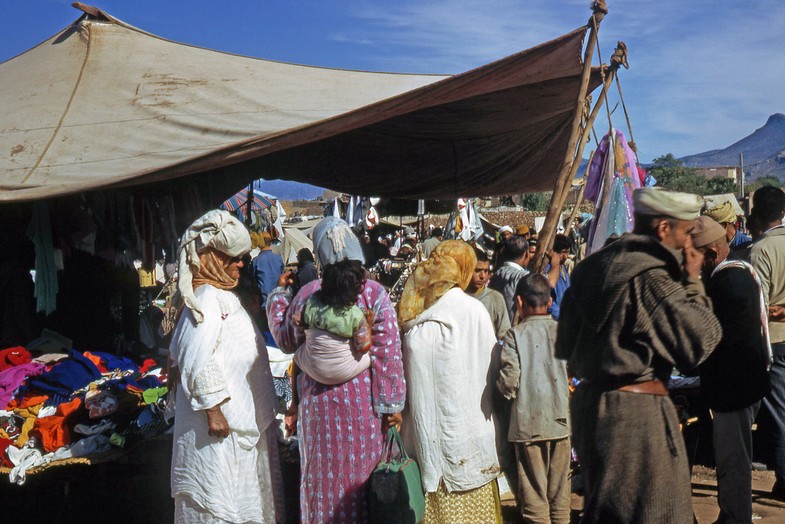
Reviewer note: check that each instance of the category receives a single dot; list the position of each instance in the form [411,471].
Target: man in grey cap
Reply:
[634,310]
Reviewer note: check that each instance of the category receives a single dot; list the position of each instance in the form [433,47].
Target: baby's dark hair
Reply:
[341,283]
[534,289]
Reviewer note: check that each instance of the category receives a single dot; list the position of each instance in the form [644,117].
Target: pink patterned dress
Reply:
[339,426]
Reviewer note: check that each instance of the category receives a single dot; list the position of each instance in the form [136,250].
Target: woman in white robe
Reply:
[225,457]
[448,351]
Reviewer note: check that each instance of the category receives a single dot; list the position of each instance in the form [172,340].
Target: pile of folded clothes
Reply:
[67,405]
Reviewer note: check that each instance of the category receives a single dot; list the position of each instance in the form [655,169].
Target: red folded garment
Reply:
[4,461]
[11,357]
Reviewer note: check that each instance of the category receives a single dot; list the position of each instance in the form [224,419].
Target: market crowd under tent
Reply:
[112,140]
[131,108]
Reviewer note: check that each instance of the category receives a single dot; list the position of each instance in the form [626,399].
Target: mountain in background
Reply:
[764,152]
[289,190]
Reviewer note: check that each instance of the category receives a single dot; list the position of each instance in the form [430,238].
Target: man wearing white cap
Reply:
[634,310]
[735,377]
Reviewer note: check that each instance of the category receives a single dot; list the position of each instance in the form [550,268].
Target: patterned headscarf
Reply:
[216,229]
[450,265]
[334,241]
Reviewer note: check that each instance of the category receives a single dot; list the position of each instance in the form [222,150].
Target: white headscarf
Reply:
[218,229]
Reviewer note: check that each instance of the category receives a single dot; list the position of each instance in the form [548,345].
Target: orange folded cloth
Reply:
[53,431]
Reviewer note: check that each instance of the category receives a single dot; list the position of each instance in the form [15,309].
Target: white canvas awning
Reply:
[103,104]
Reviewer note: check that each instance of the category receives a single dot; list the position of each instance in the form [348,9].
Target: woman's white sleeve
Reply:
[202,376]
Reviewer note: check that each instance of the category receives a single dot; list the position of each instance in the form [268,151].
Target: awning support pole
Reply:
[578,202]
[561,188]
[610,73]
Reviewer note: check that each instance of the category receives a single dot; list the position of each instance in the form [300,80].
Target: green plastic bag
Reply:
[396,488]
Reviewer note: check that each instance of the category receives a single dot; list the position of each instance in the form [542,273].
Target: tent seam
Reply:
[67,106]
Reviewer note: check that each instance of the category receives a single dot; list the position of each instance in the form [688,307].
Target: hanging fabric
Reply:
[279,219]
[613,176]
[350,212]
[40,233]
[464,222]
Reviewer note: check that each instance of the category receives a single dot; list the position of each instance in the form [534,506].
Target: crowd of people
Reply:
[475,366]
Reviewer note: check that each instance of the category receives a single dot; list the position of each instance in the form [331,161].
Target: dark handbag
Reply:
[396,488]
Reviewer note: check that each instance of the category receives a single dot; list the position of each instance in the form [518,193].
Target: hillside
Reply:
[764,152]
[289,190]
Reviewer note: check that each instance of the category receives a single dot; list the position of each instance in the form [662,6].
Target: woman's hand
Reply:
[391,420]
[217,426]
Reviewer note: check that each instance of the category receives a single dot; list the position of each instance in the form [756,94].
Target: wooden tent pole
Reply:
[618,59]
[249,199]
[557,201]
[578,202]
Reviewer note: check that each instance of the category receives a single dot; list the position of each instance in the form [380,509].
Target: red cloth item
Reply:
[4,461]
[642,174]
[147,365]
[14,356]
[52,431]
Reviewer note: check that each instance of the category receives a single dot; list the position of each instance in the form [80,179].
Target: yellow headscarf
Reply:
[212,270]
[724,213]
[450,265]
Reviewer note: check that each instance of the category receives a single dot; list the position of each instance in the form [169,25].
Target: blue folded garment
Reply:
[66,376]
[113,362]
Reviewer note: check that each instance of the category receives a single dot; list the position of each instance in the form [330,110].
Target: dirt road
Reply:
[704,499]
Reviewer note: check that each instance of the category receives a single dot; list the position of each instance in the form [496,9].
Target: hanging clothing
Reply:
[613,176]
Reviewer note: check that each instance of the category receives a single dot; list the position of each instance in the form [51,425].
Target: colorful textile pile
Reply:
[56,407]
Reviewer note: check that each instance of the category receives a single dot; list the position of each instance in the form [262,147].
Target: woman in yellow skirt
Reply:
[448,348]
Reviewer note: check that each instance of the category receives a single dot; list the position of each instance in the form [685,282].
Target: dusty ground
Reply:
[704,499]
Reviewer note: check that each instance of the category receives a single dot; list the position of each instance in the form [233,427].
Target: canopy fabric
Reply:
[103,104]
[293,241]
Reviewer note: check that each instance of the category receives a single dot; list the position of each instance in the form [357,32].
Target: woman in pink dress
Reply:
[341,427]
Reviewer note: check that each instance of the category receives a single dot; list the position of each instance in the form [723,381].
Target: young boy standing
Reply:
[539,420]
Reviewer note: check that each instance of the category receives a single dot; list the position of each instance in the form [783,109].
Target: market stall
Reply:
[119,108]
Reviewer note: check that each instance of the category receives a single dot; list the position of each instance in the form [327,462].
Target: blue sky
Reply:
[703,73]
